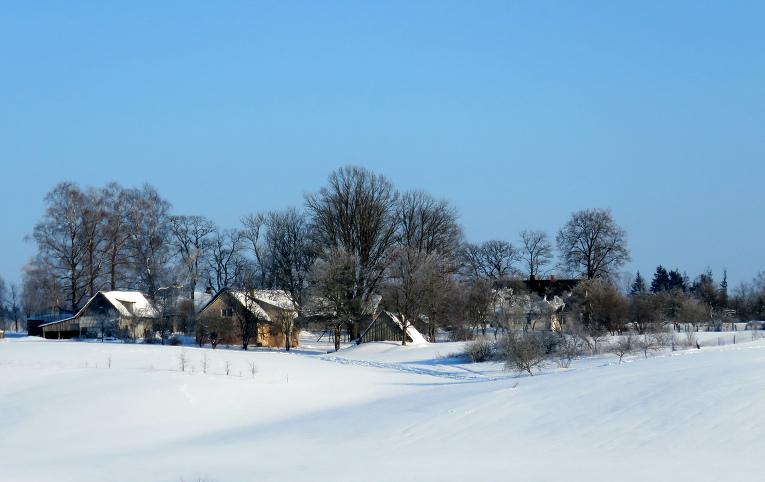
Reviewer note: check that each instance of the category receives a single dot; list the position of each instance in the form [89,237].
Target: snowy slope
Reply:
[374,412]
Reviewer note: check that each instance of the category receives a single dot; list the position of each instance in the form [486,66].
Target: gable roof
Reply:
[411,331]
[121,300]
[255,302]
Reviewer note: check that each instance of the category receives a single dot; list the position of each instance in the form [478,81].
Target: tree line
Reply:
[355,243]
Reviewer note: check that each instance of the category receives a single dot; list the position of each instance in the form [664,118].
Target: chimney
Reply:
[552,277]
[533,277]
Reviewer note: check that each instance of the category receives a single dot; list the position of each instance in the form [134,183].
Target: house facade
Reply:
[270,313]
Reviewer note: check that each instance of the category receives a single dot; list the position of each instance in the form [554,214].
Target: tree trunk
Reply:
[338,332]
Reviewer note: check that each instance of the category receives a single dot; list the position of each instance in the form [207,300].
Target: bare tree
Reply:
[183,359]
[601,307]
[592,244]
[522,352]
[624,346]
[60,242]
[354,214]
[646,312]
[290,254]
[118,205]
[226,264]
[536,250]
[245,321]
[15,304]
[428,243]
[254,232]
[190,238]
[150,241]
[492,259]
[3,295]
[330,278]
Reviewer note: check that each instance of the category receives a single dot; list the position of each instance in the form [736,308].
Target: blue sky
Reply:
[520,113]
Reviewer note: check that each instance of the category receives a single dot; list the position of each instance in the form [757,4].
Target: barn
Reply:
[387,326]
[107,313]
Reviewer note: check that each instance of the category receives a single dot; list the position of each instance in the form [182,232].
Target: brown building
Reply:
[271,311]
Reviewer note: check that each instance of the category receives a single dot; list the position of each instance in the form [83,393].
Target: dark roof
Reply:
[550,288]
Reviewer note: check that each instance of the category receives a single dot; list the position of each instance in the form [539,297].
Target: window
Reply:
[227,312]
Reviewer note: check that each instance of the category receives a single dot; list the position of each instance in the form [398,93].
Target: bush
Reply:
[461,333]
[522,352]
[566,349]
[175,340]
[625,345]
[479,351]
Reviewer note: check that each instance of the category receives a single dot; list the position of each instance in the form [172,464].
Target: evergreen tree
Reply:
[660,281]
[638,286]
[722,296]
[676,281]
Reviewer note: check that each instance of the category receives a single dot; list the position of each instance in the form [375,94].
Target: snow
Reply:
[376,411]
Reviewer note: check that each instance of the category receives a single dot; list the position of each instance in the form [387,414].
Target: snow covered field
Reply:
[374,412]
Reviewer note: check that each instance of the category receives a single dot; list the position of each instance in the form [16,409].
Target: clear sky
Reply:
[520,113]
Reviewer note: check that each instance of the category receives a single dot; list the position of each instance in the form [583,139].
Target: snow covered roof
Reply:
[415,335]
[411,331]
[129,303]
[253,301]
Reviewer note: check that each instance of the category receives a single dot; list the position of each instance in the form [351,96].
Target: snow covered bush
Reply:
[478,351]
[522,352]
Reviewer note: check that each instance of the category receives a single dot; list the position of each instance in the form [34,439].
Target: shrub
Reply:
[522,352]
[479,351]
[625,345]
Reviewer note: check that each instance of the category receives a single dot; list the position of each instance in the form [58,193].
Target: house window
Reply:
[227,312]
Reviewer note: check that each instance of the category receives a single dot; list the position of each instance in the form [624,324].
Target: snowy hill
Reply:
[377,411]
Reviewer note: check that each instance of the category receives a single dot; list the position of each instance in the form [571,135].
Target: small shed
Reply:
[387,326]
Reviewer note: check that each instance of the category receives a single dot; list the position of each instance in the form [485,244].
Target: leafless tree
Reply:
[290,254]
[690,311]
[592,244]
[492,259]
[646,312]
[205,362]
[216,328]
[254,232]
[245,321]
[331,277]
[118,204]
[150,241]
[601,307]
[536,250]
[624,346]
[94,218]
[478,301]
[354,214]
[183,359]
[226,264]
[190,239]
[15,304]
[3,295]
[522,352]
[60,242]
[428,243]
